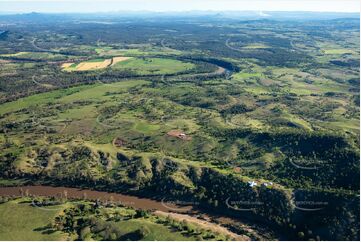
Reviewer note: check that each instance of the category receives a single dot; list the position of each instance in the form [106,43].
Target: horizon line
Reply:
[91,6]
[178,11]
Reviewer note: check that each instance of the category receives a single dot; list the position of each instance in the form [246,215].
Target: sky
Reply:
[87,6]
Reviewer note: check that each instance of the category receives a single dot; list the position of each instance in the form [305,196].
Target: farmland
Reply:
[95,64]
[252,121]
[153,66]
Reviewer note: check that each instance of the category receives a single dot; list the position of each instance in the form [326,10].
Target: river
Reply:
[75,193]
[176,209]
[160,208]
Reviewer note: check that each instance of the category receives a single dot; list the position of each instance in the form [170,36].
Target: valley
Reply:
[252,123]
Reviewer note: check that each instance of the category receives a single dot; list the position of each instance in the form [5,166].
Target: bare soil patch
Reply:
[66,65]
[204,224]
[119,142]
[179,134]
[86,66]
[119,59]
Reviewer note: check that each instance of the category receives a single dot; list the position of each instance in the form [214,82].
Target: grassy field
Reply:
[20,221]
[245,75]
[256,46]
[155,66]
[37,56]
[147,50]
[158,232]
[95,92]
[141,66]
[12,182]
[337,51]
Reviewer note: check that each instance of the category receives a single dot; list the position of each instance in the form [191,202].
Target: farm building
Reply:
[179,134]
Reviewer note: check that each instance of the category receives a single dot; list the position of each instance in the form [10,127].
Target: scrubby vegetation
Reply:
[56,219]
[267,122]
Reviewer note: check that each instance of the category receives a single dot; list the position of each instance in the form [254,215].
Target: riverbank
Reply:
[159,208]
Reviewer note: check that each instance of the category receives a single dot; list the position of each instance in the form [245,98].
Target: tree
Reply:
[141,214]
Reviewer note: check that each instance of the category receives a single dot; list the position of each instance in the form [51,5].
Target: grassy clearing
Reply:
[157,231]
[20,221]
[258,90]
[11,182]
[78,113]
[297,121]
[241,120]
[145,127]
[135,50]
[98,91]
[156,66]
[126,52]
[102,49]
[332,48]
[36,56]
[119,59]
[337,51]
[49,97]
[84,92]
[95,60]
[256,46]
[187,125]
[351,125]
[243,75]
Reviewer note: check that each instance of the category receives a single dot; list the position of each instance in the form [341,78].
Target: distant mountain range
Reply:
[242,15]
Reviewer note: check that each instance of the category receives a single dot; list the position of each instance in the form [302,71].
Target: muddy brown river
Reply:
[75,193]
[177,209]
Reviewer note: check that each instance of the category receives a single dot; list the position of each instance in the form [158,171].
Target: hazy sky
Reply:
[177,5]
